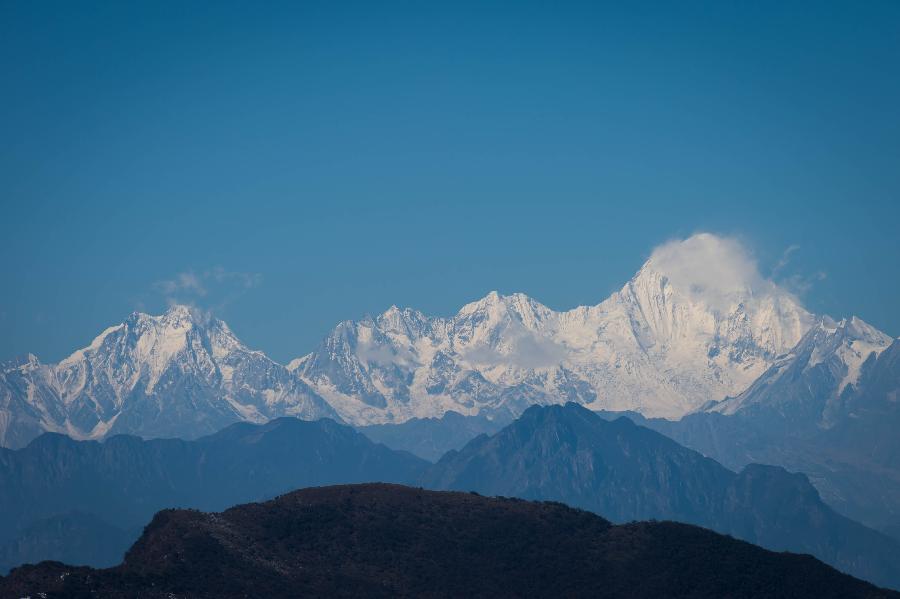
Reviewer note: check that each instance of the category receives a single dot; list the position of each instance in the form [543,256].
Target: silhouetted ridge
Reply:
[383,540]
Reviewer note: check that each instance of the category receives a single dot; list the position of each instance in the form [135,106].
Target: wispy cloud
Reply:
[184,282]
[796,283]
[801,283]
[710,268]
[716,269]
[784,260]
[215,287]
[524,348]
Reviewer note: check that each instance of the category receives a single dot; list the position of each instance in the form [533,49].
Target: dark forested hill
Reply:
[383,540]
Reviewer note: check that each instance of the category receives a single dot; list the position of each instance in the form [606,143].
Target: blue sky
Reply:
[309,163]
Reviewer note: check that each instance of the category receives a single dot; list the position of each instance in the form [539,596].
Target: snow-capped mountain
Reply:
[695,326]
[669,341]
[178,374]
[812,384]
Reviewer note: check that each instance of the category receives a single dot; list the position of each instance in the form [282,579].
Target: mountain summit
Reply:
[179,374]
[810,385]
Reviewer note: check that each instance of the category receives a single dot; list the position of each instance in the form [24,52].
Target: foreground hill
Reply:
[388,540]
[123,481]
[627,472]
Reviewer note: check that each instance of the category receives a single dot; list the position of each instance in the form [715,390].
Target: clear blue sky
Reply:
[332,159]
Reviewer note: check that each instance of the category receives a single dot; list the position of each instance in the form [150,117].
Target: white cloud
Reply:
[713,269]
[524,349]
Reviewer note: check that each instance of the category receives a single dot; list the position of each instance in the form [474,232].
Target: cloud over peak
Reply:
[712,268]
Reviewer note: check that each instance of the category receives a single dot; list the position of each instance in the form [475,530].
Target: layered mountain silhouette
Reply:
[431,438]
[828,409]
[627,472]
[119,484]
[739,369]
[564,453]
[75,538]
[726,363]
[390,541]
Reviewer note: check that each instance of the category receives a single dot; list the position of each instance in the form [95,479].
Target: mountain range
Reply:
[392,541]
[665,345]
[724,362]
[662,346]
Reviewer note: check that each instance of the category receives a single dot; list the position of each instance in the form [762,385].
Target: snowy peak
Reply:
[182,373]
[142,349]
[809,384]
[853,329]
[407,322]
[705,291]
[496,322]
[682,338]
[847,343]
[495,304]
